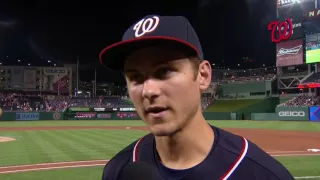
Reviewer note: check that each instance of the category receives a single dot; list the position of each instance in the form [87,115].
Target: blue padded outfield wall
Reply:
[314,113]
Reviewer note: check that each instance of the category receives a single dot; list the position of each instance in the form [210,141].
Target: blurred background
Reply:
[49,49]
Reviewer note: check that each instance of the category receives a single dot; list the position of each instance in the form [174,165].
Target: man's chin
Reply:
[161,133]
[162,130]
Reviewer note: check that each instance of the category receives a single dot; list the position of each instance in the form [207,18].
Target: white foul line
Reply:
[276,152]
[284,155]
[308,177]
[54,163]
[49,168]
[105,161]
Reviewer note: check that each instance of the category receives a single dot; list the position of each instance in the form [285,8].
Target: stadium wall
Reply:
[265,106]
[280,114]
[284,114]
[31,116]
[246,88]
[35,116]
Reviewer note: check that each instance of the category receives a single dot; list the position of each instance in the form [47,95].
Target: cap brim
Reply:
[113,56]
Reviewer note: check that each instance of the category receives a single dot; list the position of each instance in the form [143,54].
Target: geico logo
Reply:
[292,113]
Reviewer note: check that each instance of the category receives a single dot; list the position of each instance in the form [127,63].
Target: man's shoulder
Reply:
[115,164]
[120,160]
[256,160]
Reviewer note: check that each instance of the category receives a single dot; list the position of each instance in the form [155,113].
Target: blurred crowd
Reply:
[17,102]
[24,102]
[302,100]
[314,78]
[206,101]
[235,79]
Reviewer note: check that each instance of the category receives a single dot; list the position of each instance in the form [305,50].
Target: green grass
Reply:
[72,145]
[302,166]
[33,147]
[312,56]
[277,125]
[272,125]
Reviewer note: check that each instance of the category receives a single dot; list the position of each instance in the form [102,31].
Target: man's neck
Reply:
[188,147]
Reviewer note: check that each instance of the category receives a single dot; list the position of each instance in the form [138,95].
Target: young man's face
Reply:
[165,88]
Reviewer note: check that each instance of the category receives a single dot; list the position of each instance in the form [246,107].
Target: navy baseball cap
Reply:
[149,31]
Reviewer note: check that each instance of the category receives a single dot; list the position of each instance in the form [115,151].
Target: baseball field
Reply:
[313,56]
[79,150]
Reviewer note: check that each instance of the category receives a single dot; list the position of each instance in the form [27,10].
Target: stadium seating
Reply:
[302,100]
[19,102]
[15,102]
[314,78]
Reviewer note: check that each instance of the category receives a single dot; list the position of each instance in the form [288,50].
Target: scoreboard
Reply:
[102,109]
[101,113]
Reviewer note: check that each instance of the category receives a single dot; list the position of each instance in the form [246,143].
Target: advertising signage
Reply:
[280,30]
[314,113]
[313,14]
[302,4]
[292,113]
[290,53]
[27,116]
[287,29]
[313,48]
[283,3]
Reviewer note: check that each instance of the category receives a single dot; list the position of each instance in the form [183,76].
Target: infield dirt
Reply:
[4,139]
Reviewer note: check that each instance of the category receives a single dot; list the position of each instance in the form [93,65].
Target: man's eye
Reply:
[137,78]
[163,72]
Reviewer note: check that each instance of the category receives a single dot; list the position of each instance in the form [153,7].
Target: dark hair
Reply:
[195,61]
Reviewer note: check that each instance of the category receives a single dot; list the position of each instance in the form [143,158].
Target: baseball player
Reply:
[163,64]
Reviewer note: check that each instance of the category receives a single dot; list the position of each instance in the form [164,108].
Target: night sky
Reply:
[36,32]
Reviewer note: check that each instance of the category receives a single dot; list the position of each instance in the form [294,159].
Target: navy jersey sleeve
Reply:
[254,171]
[114,167]
[256,164]
[263,166]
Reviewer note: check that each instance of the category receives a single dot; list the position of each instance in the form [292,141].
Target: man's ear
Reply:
[204,75]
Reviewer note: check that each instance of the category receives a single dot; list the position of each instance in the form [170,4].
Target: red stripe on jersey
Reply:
[239,159]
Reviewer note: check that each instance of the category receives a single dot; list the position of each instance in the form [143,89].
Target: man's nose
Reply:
[151,89]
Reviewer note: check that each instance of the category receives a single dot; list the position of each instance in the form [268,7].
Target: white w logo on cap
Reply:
[146,26]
